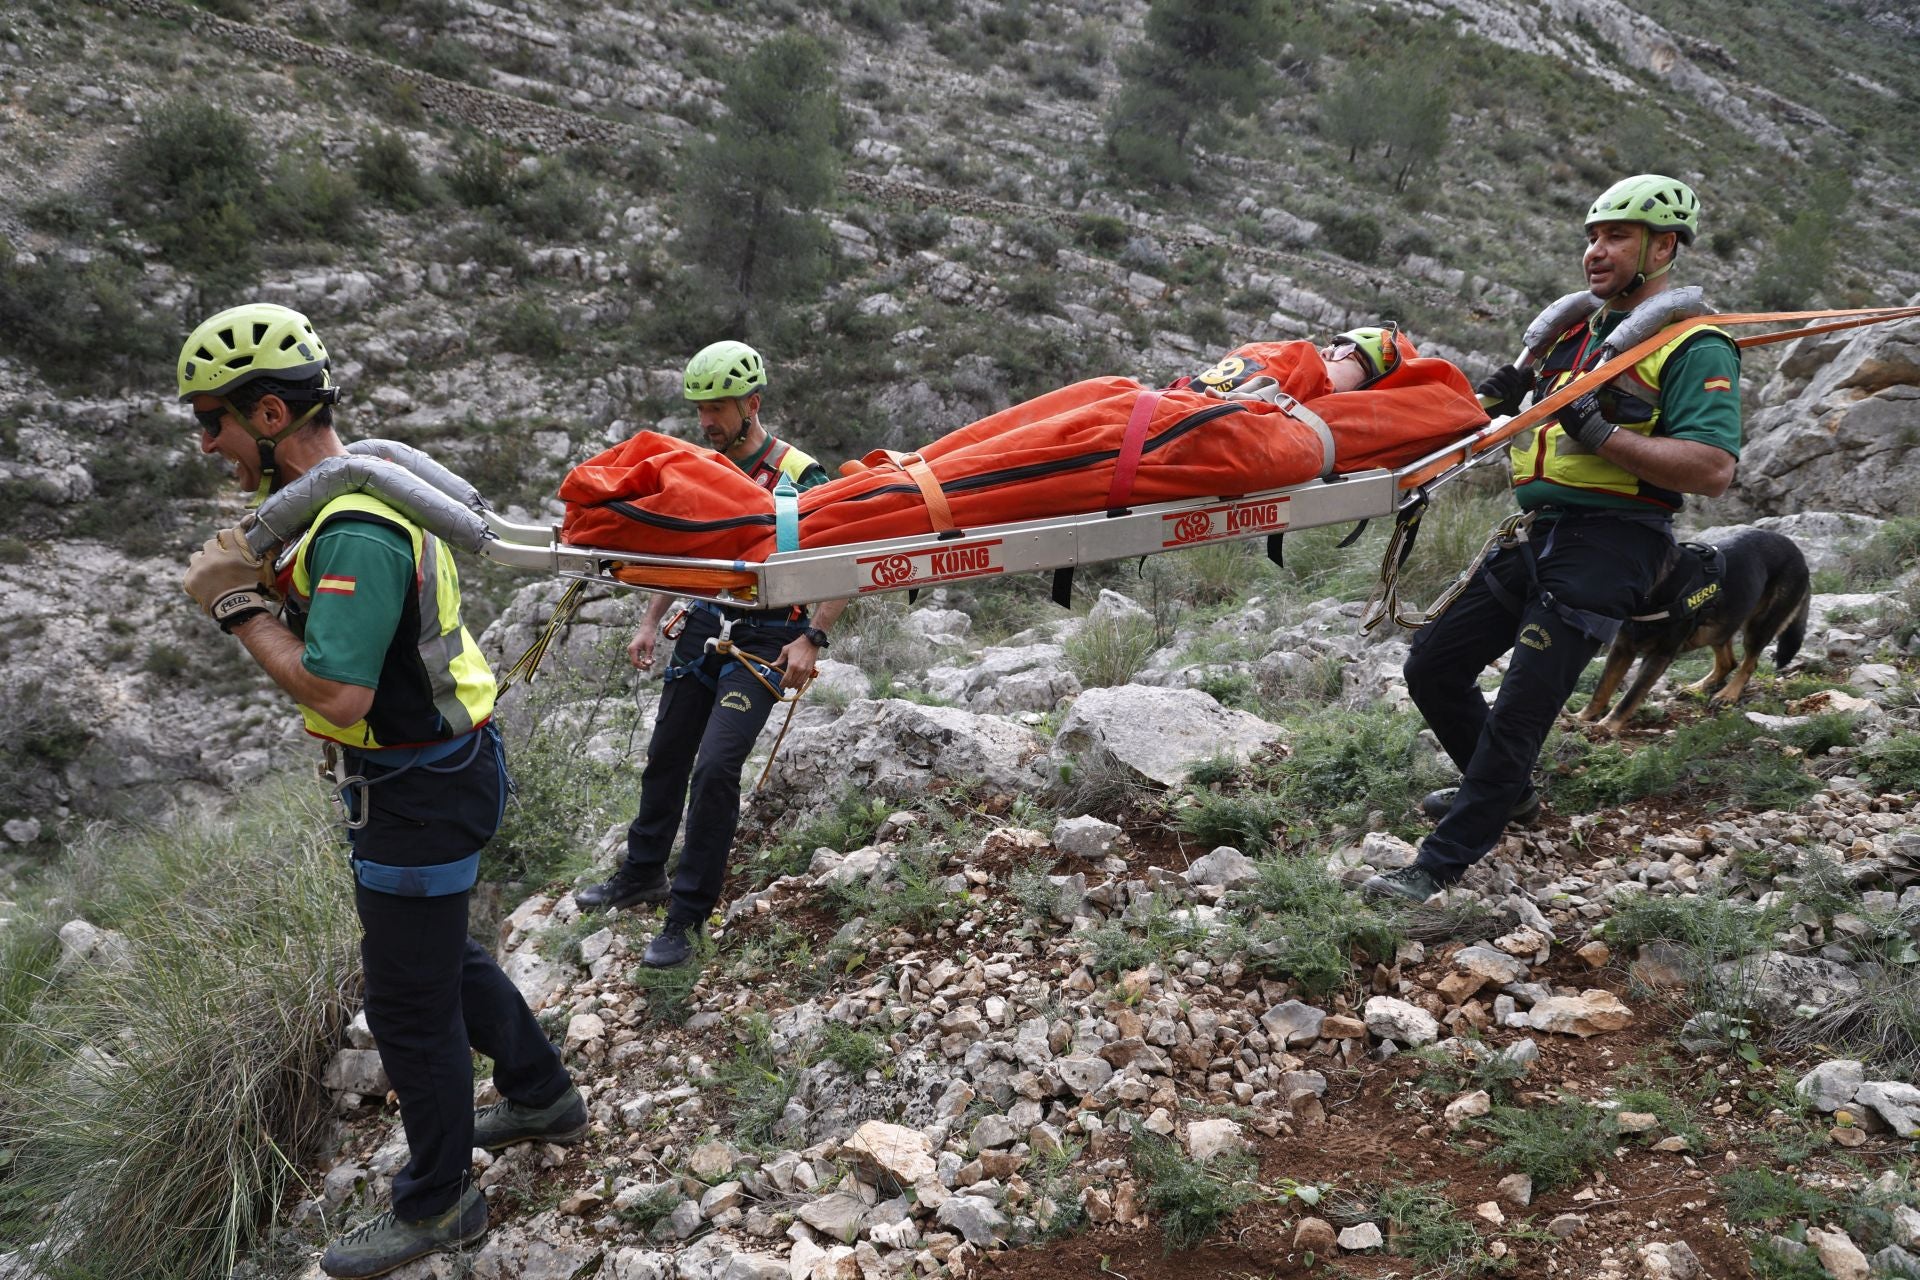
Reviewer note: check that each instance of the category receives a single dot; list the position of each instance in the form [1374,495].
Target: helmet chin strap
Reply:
[269,468]
[1640,275]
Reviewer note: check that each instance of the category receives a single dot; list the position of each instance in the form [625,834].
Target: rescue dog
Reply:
[1762,596]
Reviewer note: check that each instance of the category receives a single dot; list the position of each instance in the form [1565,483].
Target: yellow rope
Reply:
[529,662]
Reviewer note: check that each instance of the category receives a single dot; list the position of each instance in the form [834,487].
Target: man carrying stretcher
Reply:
[716,698]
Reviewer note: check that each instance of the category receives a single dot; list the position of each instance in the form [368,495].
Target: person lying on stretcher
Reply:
[1265,416]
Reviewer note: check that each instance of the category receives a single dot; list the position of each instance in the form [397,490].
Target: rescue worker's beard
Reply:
[727,444]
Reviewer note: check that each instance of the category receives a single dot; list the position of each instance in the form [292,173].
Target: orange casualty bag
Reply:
[1097,445]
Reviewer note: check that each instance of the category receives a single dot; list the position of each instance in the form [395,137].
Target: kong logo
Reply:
[1229,520]
[934,564]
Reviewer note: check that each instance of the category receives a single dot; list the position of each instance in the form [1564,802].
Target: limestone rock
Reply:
[1361,1236]
[1085,837]
[903,1154]
[1207,1139]
[1159,733]
[356,1071]
[1293,1022]
[1226,866]
[1895,1102]
[1400,1022]
[1315,1234]
[1838,1254]
[1588,1014]
[1831,1085]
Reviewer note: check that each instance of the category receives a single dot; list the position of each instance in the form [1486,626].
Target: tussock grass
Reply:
[1893,763]
[758,1084]
[1111,650]
[1251,821]
[158,1108]
[1427,1228]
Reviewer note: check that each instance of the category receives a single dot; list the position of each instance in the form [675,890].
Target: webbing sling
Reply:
[939,514]
[1127,465]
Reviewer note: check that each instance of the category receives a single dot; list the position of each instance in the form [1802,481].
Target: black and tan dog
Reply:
[1761,594]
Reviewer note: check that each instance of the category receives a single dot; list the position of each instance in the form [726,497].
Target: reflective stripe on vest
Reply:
[1550,454]
[781,460]
[457,674]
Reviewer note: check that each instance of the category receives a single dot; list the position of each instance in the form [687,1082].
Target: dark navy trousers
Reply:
[1595,563]
[710,714]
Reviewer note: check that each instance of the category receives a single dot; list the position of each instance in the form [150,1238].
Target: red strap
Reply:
[1127,465]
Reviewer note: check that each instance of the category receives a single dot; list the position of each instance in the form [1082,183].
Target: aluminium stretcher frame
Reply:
[811,575]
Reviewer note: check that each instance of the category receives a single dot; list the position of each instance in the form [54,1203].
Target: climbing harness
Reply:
[737,658]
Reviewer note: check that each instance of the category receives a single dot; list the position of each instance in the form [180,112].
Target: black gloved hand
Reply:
[1583,422]
[1502,390]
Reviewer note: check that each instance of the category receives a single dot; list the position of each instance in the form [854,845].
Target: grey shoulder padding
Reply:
[1655,314]
[426,468]
[1558,317]
[429,495]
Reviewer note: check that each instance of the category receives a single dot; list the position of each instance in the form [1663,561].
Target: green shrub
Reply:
[916,231]
[309,199]
[879,17]
[82,323]
[562,795]
[1034,294]
[183,1088]
[1302,926]
[388,171]
[1553,1144]
[1354,236]
[481,176]
[856,1052]
[758,1084]
[1102,232]
[1893,763]
[1721,755]
[530,328]
[1250,821]
[1427,1228]
[1190,1198]
[850,824]
[191,181]
[1345,765]
[554,204]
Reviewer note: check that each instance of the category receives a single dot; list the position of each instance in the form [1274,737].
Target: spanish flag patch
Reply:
[334,584]
[1717,384]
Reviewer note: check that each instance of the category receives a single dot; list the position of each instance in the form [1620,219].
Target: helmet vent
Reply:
[203,354]
[259,334]
[226,336]
[239,362]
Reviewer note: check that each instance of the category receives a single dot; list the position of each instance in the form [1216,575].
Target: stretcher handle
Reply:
[1420,472]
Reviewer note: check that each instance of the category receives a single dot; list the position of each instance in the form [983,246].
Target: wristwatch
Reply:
[816,635]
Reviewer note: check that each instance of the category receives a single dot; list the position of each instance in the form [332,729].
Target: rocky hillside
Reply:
[478,204]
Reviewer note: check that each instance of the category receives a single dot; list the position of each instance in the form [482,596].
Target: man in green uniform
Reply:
[714,703]
[370,645]
[1601,484]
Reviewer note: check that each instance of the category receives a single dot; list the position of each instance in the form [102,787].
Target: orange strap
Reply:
[1483,439]
[921,474]
[693,580]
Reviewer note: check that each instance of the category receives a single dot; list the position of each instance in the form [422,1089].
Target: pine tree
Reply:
[1199,60]
[748,212]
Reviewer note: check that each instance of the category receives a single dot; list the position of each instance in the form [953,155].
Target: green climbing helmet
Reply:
[256,340]
[724,371]
[1380,349]
[1656,201]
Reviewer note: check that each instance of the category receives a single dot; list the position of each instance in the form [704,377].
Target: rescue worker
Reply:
[714,704]
[370,645]
[1600,485]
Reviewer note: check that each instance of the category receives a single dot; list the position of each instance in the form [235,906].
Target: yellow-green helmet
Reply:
[256,340]
[724,371]
[1381,350]
[1657,201]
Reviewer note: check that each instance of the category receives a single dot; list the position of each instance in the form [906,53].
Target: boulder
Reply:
[1831,1085]
[1226,866]
[1159,733]
[1007,679]
[1207,1139]
[1293,1022]
[1776,982]
[902,1154]
[1895,1102]
[1587,1014]
[1400,1022]
[1085,836]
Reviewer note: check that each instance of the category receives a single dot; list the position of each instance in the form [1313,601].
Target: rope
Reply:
[528,663]
[724,646]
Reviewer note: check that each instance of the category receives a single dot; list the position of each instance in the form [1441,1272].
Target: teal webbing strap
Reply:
[436,881]
[786,516]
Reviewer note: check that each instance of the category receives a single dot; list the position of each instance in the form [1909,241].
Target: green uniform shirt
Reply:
[1699,400]
[362,574]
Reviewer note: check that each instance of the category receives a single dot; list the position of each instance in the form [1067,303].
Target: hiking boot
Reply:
[1436,803]
[1412,883]
[564,1120]
[627,887]
[671,946]
[380,1244]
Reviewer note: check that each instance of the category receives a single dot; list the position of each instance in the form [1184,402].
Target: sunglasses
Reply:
[213,421]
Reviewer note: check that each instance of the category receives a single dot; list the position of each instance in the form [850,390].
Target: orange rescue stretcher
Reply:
[1101,470]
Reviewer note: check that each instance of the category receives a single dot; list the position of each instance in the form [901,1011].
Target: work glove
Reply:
[1502,390]
[1583,422]
[225,578]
